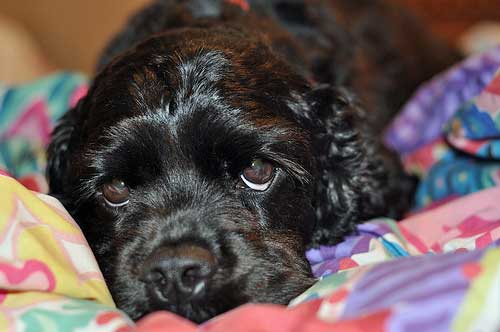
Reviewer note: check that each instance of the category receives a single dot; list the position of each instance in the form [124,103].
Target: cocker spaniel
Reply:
[220,139]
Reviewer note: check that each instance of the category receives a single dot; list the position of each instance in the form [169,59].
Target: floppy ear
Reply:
[357,178]
[59,150]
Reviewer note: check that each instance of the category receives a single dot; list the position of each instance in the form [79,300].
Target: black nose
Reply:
[178,273]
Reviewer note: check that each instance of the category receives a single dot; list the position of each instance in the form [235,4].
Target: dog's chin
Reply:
[195,312]
[136,303]
[198,311]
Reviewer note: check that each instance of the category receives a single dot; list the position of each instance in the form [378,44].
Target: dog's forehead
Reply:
[241,70]
[208,82]
[200,114]
[197,87]
[202,67]
[178,79]
[196,79]
[190,69]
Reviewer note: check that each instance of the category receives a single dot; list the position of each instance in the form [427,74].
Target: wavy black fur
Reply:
[191,91]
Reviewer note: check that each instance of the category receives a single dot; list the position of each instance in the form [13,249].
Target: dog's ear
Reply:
[357,178]
[59,149]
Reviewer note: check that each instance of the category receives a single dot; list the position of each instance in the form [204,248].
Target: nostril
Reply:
[157,277]
[191,276]
[159,285]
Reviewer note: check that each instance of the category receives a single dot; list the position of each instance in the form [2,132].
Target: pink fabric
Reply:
[474,215]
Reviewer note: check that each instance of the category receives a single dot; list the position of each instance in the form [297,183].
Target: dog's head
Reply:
[199,167]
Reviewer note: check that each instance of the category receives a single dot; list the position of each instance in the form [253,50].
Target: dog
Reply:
[220,139]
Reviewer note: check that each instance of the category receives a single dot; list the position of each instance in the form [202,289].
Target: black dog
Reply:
[216,143]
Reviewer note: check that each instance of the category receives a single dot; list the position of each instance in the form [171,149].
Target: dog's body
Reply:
[216,143]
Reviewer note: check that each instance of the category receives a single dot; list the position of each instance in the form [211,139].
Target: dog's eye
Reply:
[259,175]
[115,193]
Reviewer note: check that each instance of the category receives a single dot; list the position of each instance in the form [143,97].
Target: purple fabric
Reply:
[437,285]
[422,118]
[326,259]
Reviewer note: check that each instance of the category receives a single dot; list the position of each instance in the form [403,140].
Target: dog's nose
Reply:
[179,272]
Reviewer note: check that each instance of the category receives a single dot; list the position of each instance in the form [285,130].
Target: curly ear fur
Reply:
[357,178]
[58,151]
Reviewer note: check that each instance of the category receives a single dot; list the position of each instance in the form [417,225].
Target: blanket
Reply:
[448,132]
[437,270]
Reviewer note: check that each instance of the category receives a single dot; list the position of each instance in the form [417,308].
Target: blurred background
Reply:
[40,36]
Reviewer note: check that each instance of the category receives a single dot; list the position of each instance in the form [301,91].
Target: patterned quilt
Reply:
[437,270]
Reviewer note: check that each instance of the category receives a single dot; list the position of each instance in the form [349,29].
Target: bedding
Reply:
[449,133]
[437,270]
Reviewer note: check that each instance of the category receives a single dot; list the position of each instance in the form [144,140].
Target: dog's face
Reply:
[192,180]
[198,167]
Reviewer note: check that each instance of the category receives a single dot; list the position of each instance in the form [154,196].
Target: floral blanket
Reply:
[437,270]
